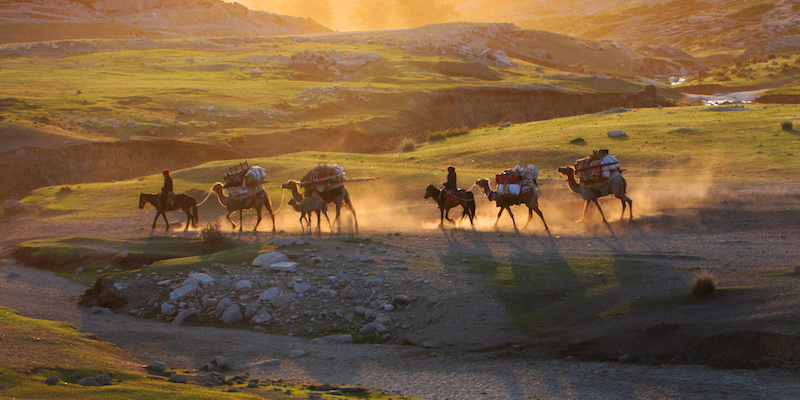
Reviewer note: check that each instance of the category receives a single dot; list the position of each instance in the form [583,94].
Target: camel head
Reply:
[483,183]
[290,184]
[567,170]
[294,204]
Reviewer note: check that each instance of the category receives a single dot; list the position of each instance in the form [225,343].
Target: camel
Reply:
[337,196]
[529,198]
[258,200]
[182,202]
[445,202]
[308,205]
[615,185]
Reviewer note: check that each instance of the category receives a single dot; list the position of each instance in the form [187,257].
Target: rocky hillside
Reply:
[33,21]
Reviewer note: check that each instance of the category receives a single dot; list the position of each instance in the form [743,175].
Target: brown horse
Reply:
[529,198]
[338,196]
[445,201]
[615,185]
[182,202]
[258,200]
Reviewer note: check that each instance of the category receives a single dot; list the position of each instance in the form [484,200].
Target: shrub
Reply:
[787,125]
[704,284]
[433,136]
[213,239]
[453,132]
[407,145]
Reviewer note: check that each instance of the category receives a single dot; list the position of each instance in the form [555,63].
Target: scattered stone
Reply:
[202,279]
[88,382]
[103,379]
[333,339]
[178,378]
[287,266]
[616,133]
[243,286]
[181,292]
[186,111]
[261,317]
[52,380]
[297,353]
[157,367]
[283,242]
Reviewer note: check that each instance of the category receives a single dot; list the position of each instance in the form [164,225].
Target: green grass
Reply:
[549,292]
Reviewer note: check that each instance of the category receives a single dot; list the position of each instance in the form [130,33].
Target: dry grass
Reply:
[704,284]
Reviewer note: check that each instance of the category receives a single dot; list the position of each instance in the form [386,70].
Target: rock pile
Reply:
[280,291]
[335,63]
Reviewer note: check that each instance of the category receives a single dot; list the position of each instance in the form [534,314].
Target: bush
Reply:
[704,284]
[213,239]
[407,145]
[453,132]
[434,136]
[787,126]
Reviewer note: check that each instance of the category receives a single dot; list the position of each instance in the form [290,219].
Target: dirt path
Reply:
[743,243]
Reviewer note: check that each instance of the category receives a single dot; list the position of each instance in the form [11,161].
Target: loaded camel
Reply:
[530,198]
[232,204]
[445,202]
[310,204]
[615,185]
[182,202]
[337,196]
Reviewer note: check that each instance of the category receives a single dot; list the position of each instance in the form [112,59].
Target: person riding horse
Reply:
[167,194]
[450,187]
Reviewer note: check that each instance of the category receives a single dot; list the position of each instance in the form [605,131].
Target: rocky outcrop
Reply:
[136,18]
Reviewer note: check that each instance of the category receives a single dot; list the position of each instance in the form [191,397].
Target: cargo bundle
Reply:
[244,180]
[599,166]
[324,177]
[515,181]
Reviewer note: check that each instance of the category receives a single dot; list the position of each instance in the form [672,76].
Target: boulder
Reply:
[261,317]
[202,279]
[617,133]
[12,206]
[190,317]
[287,266]
[267,259]
[232,315]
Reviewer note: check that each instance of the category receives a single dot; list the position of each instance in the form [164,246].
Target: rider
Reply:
[450,187]
[166,195]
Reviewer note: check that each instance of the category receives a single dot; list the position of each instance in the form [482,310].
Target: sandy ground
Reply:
[738,236]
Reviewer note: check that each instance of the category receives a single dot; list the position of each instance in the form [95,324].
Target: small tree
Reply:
[407,145]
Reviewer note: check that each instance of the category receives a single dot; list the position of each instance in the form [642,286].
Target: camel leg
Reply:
[271,214]
[228,216]
[625,199]
[597,203]
[325,212]
[352,210]
[539,212]
[258,221]
[302,226]
[241,220]
[513,221]
[585,210]
[498,215]
[338,204]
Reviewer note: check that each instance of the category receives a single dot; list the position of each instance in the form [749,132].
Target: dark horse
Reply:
[182,202]
[463,198]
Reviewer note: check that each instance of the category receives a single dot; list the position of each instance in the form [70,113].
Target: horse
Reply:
[182,202]
[445,201]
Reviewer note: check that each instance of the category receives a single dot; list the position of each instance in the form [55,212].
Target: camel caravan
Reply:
[592,177]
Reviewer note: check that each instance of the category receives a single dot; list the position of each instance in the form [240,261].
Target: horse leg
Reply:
[441,217]
[164,214]
[188,219]
[155,219]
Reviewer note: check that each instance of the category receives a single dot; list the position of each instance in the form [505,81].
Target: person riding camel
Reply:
[450,187]
[166,195]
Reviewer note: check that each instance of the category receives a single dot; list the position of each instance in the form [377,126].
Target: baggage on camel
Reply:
[244,180]
[514,181]
[599,166]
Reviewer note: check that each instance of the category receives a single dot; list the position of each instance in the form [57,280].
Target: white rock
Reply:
[269,294]
[261,317]
[267,259]
[182,291]
[202,279]
[243,285]
[302,287]
[231,315]
[287,266]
